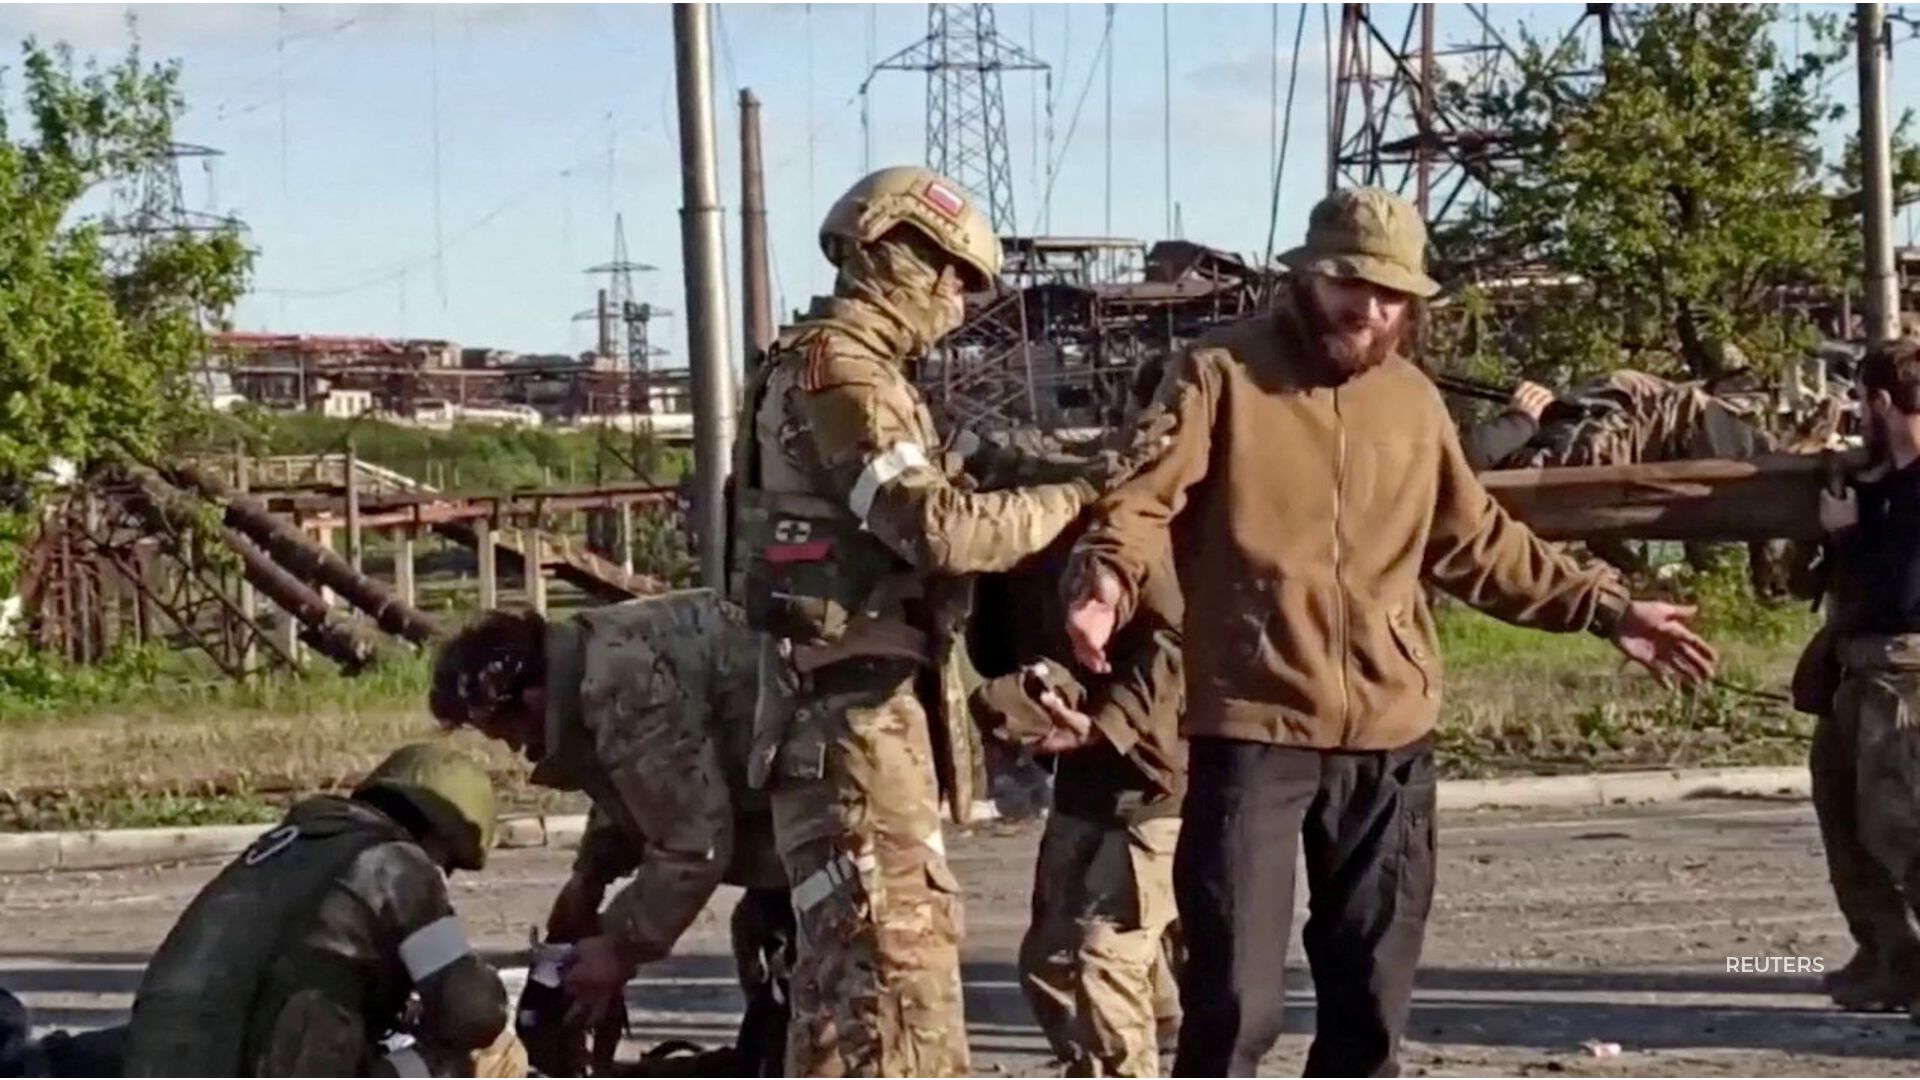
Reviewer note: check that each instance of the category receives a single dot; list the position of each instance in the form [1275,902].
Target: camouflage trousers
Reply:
[315,1036]
[1866,780]
[1092,963]
[856,811]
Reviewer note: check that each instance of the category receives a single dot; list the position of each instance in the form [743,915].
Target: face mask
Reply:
[892,275]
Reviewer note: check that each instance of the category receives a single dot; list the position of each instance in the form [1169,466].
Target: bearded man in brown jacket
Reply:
[1308,479]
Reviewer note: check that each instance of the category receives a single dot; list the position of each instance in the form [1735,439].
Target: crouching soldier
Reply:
[1092,963]
[647,707]
[301,957]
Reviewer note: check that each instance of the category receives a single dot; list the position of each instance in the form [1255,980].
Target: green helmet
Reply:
[449,789]
[912,195]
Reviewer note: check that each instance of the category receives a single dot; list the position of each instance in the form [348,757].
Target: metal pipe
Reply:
[168,508]
[286,545]
[1876,177]
[704,246]
[756,292]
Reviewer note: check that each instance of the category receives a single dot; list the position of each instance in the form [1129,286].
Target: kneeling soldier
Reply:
[302,955]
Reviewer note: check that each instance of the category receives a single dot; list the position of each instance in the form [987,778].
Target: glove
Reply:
[505,1058]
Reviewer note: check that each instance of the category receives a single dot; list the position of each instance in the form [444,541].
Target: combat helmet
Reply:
[912,195]
[447,788]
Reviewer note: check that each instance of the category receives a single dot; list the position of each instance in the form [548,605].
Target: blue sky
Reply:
[450,171]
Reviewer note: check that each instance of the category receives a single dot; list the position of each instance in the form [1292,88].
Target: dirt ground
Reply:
[1550,930]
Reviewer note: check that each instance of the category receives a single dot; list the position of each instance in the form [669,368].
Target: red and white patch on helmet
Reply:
[944,199]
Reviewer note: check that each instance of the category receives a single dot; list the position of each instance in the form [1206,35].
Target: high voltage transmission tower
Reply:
[624,337]
[624,322]
[151,201]
[963,56]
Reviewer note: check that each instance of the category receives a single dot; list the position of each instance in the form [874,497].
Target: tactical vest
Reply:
[802,566]
[809,574]
[198,1004]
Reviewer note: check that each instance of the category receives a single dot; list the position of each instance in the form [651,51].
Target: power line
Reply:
[1286,132]
[1073,125]
[1107,219]
[386,273]
[439,234]
[1166,93]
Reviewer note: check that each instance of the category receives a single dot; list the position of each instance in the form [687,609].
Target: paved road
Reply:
[1550,929]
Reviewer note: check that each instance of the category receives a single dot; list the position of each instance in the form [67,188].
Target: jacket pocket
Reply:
[1409,640]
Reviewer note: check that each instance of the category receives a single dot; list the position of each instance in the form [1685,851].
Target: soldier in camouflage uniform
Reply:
[855,532]
[301,955]
[647,707]
[1632,418]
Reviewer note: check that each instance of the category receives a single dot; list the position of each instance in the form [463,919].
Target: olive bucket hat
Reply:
[1368,234]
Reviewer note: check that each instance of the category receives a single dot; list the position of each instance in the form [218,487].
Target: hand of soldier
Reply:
[597,977]
[1841,512]
[576,911]
[1656,636]
[1532,398]
[1092,617]
[1072,729]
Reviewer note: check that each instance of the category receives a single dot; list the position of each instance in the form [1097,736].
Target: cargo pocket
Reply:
[1150,848]
[1408,639]
[1415,877]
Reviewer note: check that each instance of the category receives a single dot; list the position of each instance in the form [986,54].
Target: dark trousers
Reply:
[1869,897]
[1368,824]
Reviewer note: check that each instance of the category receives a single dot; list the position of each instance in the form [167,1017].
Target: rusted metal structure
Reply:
[1389,123]
[177,554]
[409,378]
[1057,345]
[121,560]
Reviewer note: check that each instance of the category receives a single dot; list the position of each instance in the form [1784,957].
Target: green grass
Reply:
[158,738]
[1520,701]
[470,457]
[38,689]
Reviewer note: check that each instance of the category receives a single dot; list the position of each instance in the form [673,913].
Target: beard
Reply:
[1339,345]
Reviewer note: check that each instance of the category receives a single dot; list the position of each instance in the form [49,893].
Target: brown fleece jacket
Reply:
[1309,513]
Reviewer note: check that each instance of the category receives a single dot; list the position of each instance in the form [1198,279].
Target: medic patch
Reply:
[944,199]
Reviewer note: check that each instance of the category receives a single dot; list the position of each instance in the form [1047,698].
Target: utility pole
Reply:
[704,245]
[756,292]
[1876,177]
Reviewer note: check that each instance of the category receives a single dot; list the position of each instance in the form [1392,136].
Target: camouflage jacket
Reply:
[837,431]
[649,707]
[1644,418]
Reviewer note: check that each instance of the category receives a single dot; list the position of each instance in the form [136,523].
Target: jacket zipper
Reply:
[1339,575]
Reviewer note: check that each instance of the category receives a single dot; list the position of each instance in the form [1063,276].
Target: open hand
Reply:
[1655,635]
[1091,619]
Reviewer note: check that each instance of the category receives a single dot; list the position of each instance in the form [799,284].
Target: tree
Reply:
[99,330]
[1681,183]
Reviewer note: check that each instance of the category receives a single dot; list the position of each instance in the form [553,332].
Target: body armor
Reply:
[212,988]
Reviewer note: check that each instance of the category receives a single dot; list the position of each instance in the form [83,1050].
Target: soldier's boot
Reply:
[1867,983]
